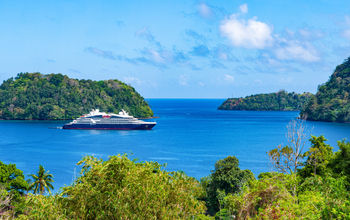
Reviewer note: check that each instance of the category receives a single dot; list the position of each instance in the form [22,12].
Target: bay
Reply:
[190,135]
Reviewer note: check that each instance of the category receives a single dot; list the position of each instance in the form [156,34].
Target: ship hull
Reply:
[110,126]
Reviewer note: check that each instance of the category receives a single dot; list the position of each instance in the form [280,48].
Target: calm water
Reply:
[190,136]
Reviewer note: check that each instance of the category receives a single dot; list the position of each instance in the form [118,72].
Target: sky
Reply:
[179,48]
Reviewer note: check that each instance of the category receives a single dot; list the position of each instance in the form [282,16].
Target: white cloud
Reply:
[229,78]
[295,50]
[255,34]
[249,33]
[204,10]
[243,8]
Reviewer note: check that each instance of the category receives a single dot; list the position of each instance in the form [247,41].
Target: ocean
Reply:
[190,135]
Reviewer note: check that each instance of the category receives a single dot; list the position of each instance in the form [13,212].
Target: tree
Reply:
[120,188]
[12,180]
[318,156]
[226,178]
[289,158]
[41,181]
[12,190]
[340,164]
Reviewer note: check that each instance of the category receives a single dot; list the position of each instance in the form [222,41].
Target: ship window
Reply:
[96,116]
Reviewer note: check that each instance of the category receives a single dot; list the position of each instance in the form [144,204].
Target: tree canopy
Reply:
[120,188]
[226,178]
[279,101]
[56,96]
[12,179]
[41,181]
[332,100]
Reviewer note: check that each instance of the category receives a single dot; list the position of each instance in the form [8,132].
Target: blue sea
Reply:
[190,135]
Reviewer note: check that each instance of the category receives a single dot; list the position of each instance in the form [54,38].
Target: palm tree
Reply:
[41,181]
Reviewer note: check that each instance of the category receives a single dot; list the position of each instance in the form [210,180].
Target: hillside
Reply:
[56,96]
[279,101]
[332,101]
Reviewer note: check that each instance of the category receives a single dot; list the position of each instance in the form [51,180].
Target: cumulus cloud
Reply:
[295,50]
[249,33]
[243,8]
[254,34]
[204,10]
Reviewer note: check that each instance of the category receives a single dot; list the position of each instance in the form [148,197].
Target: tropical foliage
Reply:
[226,178]
[332,100]
[120,188]
[12,180]
[318,195]
[56,96]
[13,187]
[41,181]
[279,101]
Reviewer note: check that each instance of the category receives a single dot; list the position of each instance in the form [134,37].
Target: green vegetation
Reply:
[317,186]
[13,187]
[310,185]
[121,189]
[279,101]
[42,181]
[332,100]
[55,96]
[226,178]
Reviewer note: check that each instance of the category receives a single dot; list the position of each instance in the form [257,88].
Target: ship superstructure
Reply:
[101,120]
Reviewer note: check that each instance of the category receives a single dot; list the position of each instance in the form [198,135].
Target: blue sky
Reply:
[179,49]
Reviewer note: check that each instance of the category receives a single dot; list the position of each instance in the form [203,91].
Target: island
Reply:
[36,96]
[332,101]
[278,101]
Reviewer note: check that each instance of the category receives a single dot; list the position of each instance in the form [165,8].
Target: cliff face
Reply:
[279,101]
[56,96]
[331,102]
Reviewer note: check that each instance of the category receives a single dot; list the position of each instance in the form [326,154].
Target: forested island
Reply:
[332,100]
[279,101]
[310,185]
[35,96]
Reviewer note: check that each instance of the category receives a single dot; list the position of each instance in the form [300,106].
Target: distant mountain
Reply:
[332,100]
[56,96]
[279,101]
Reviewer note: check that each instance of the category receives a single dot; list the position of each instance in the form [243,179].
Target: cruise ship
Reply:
[101,120]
